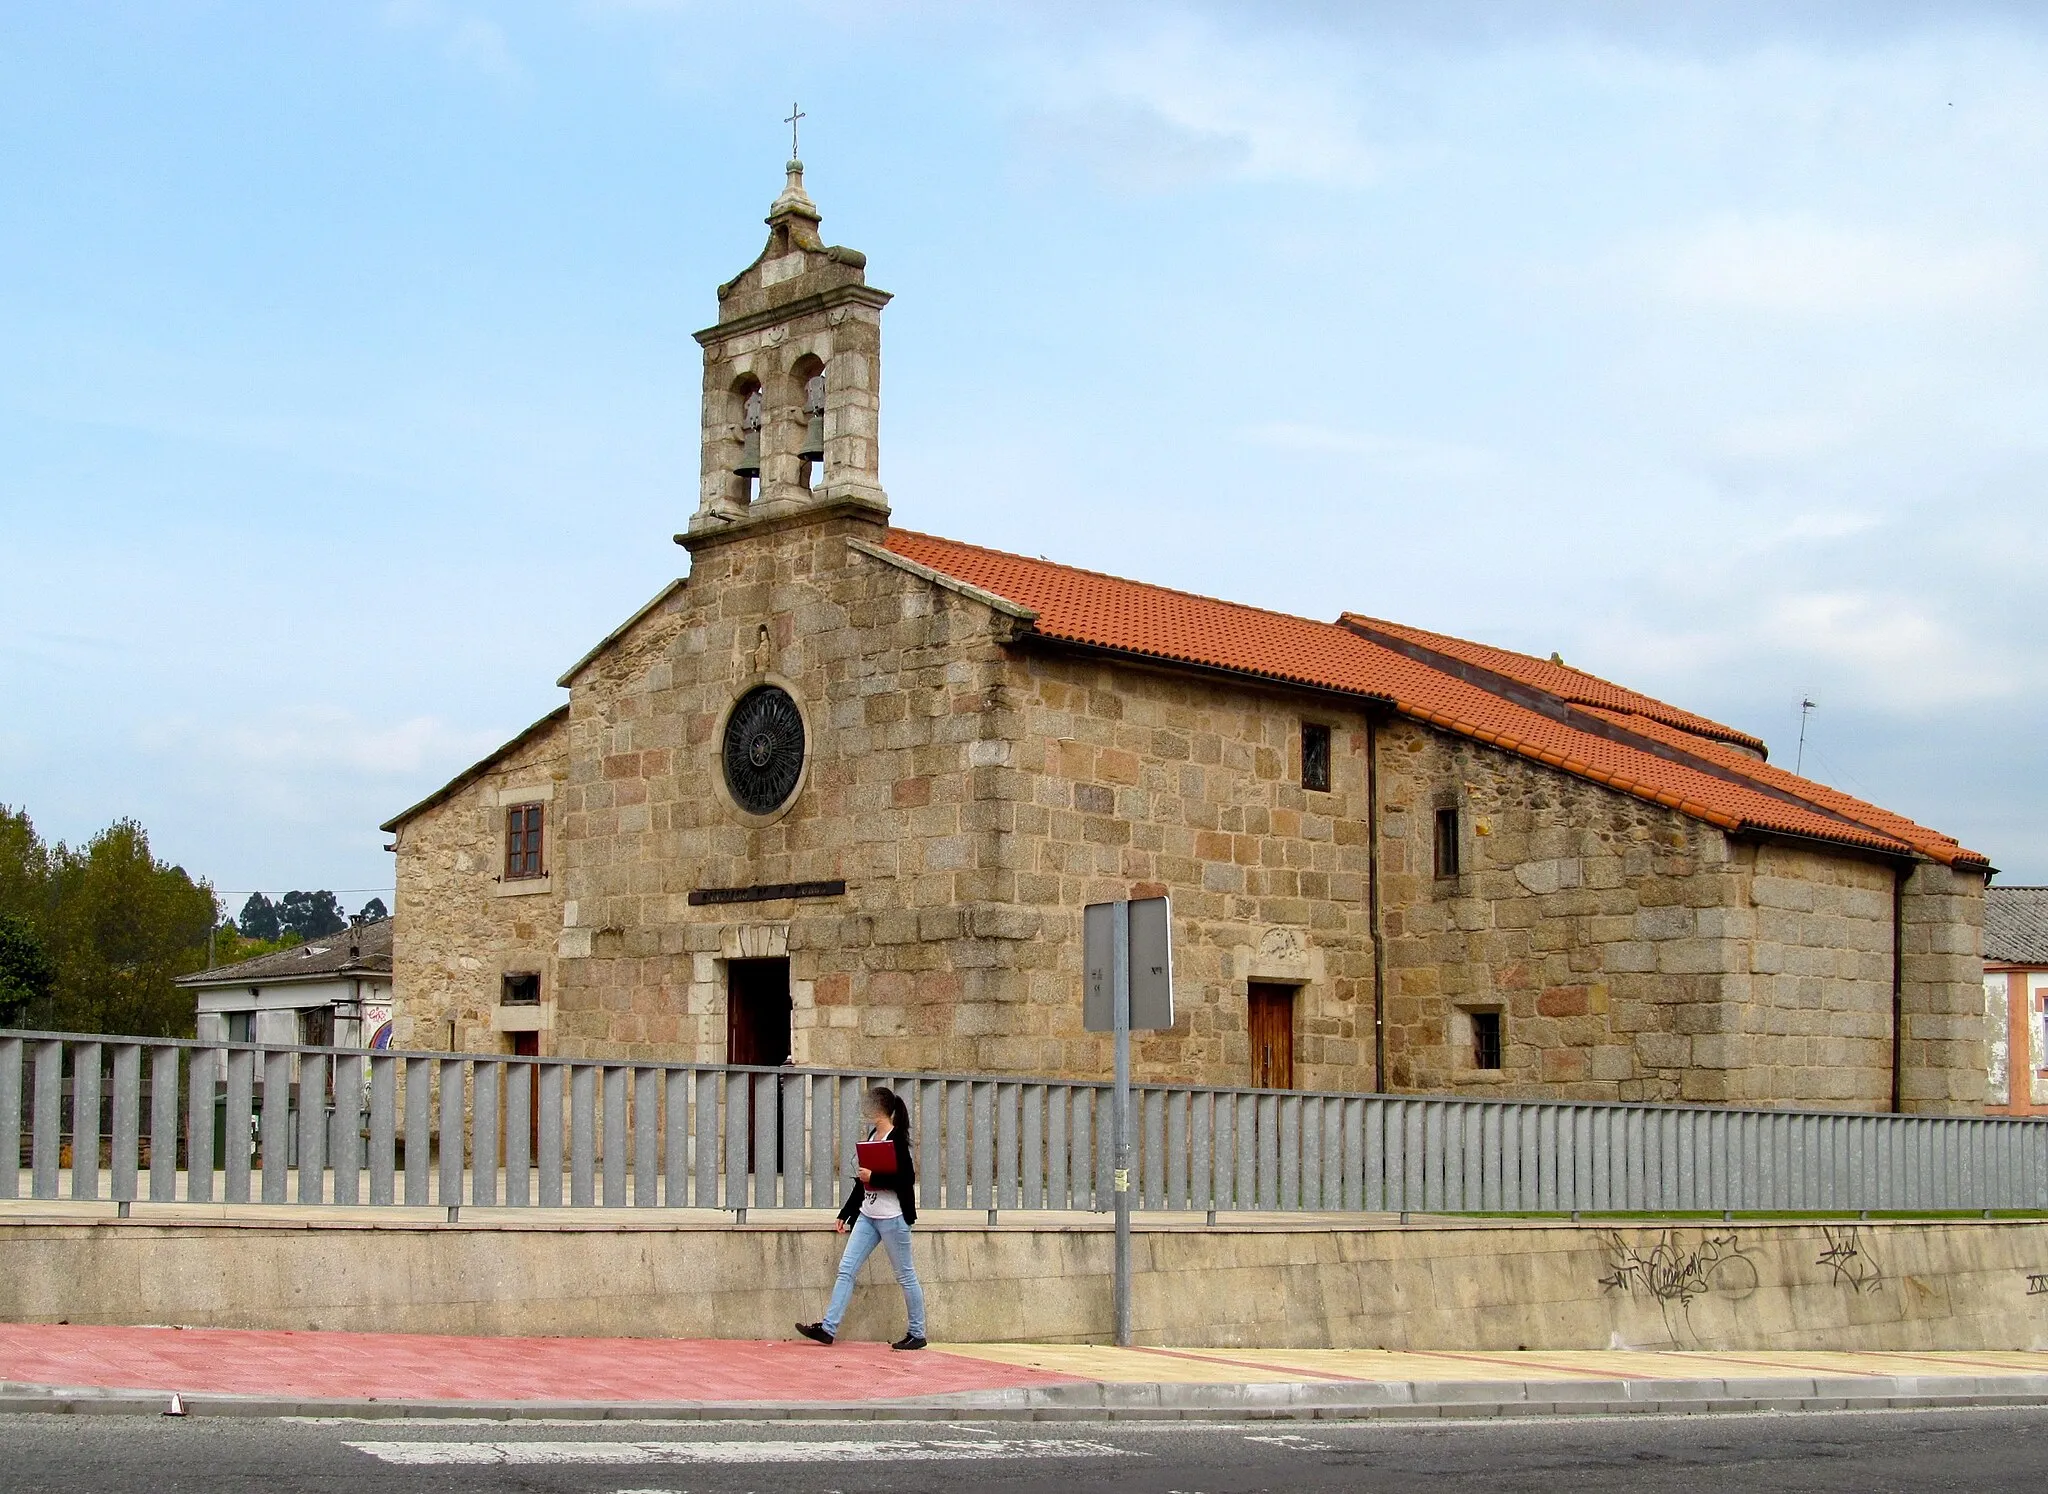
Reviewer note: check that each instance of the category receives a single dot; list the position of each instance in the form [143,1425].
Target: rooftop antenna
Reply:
[1805,710]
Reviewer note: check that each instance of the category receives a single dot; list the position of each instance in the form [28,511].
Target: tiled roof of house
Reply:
[1661,762]
[1555,677]
[2016,925]
[366,947]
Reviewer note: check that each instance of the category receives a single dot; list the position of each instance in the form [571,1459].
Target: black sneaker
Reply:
[908,1341]
[816,1333]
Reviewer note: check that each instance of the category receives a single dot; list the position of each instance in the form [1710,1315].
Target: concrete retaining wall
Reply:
[1302,1283]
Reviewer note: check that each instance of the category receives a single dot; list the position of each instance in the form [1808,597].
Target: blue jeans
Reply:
[860,1244]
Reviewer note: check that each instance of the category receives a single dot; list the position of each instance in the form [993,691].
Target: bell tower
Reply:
[792,381]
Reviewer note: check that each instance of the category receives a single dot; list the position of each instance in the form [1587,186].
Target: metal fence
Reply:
[134,1119]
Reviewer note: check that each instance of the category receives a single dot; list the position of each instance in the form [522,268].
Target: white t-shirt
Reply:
[881,1203]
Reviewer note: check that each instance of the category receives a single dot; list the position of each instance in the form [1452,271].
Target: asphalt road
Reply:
[1862,1452]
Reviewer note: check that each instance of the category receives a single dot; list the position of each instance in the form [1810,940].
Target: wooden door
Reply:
[757,1012]
[527,1045]
[1270,1021]
[757,1032]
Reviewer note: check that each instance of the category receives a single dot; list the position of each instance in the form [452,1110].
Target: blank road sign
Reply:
[1151,964]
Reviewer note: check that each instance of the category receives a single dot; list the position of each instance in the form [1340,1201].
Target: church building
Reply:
[839,795]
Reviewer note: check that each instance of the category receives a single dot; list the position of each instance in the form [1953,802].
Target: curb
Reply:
[1108,1402]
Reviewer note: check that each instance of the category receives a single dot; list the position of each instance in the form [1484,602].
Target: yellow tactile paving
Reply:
[1121,1366]
[1282,1366]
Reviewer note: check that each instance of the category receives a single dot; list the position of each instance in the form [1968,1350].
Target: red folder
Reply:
[876,1156]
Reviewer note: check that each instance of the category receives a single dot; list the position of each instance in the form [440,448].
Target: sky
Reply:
[347,392]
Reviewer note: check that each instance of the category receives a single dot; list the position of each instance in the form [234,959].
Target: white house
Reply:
[331,991]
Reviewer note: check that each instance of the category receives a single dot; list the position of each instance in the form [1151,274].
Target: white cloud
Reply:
[1896,648]
[1801,266]
[469,40]
[481,44]
[324,739]
[1885,650]
[1393,456]
[1825,526]
[1181,101]
[1792,435]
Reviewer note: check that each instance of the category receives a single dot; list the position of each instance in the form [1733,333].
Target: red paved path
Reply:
[406,1366]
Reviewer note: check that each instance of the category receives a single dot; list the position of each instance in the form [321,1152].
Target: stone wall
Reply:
[1810,1016]
[1944,1046]
[1591,920]
[1314,1284]
[1639,954]
[1138,783]
[460,926]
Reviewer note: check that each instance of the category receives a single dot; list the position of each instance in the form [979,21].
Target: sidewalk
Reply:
[75,1368]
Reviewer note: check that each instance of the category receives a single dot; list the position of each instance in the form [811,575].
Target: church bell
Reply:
[814,420]
[749,464]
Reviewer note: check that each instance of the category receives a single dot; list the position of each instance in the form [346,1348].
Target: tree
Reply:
[231,947]
[121,927]
[373,911]
[310,915]
[259,918]
[26,972]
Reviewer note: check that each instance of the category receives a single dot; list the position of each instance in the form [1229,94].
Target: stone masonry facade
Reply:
[1640,954]
[460,928]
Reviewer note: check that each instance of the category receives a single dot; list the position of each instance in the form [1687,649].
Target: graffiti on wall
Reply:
[1671,1270]
[1676,1268]
[1848,1256]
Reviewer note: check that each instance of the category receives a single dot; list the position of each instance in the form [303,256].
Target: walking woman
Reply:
[880,1210]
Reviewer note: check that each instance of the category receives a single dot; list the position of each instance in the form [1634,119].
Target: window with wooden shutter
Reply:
[1315,756]
[522,842]
[1447,843]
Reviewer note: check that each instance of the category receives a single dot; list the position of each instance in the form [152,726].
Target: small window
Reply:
[316,1027]
[241,1027]
[1486,1040]
[520,990]
[1315,756]
[1447,843]
[522,842]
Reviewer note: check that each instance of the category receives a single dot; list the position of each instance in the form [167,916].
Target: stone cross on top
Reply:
[795,114]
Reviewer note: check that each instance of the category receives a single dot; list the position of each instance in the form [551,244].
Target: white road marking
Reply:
[1298,1444]
[418,1454]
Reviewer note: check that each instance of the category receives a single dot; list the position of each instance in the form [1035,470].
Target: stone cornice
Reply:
[749,528]
[824,300]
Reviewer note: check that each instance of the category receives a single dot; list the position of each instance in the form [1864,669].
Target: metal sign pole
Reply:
[1120,1110]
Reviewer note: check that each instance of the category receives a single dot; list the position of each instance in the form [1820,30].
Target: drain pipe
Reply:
[1372,872]
[1900,871]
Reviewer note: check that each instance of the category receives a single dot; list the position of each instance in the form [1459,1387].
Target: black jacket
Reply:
[903,1180]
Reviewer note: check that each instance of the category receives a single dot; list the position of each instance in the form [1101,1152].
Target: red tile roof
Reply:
[1558,679]
[1704,778]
